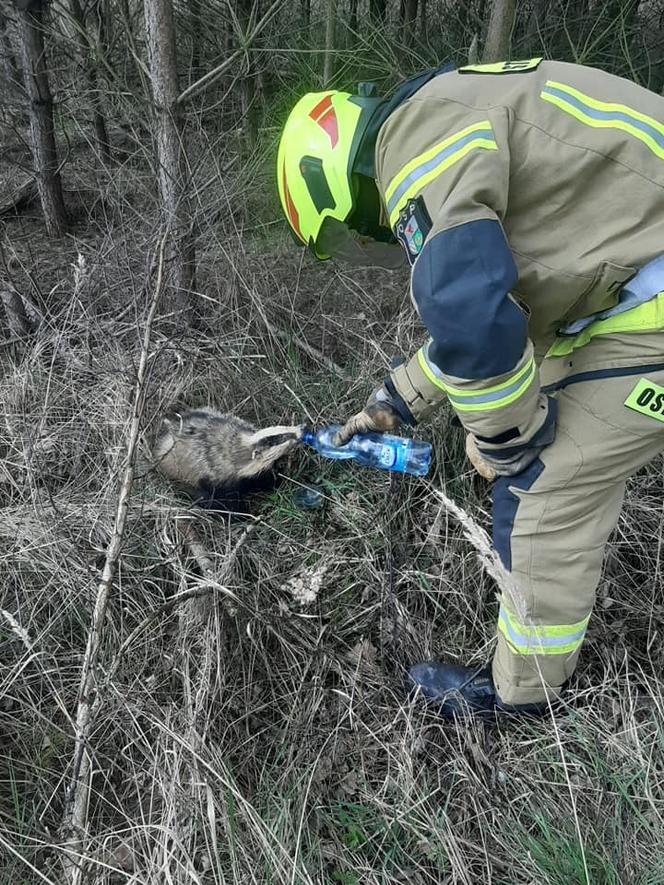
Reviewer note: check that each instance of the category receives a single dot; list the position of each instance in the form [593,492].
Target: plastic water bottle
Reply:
[382,450]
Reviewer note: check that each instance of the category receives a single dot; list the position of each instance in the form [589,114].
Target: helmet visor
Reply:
[336,240]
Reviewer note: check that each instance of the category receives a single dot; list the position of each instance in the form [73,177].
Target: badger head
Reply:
[206,446]
[268,445]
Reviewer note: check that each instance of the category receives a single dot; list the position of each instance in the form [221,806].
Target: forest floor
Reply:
[266,738]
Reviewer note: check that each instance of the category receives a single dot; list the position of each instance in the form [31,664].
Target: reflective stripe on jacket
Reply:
[525,199]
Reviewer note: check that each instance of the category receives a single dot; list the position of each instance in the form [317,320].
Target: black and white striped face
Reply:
[269,445]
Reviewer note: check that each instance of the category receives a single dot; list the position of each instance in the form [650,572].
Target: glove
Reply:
[492,463]
[475,457]
[379,414]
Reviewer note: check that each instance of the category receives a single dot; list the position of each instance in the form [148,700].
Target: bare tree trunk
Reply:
[173,175]
[378,12]
[353,20]
[330,22]
[42,132]
[196,37]
[424,22]
[408,19]
[249,87]
[9,66]
[497,45]
[89,66]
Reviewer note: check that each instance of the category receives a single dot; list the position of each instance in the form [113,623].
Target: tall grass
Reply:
[267,736]
[277,744]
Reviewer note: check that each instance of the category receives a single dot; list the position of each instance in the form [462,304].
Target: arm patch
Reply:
[412,227]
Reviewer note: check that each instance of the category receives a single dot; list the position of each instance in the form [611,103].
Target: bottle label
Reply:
[401,457]
[387,456]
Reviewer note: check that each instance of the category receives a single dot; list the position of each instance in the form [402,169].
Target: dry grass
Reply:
[266,738]
[275,745]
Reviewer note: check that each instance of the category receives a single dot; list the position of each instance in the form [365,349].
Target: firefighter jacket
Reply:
[525,195]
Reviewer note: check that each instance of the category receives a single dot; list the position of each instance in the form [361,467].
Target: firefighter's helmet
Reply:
[314,162]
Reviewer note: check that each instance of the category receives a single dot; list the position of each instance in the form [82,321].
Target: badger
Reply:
[220,458]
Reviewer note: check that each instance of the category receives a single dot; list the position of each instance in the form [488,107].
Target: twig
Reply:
[17,319]
[214,583]
[486,553]
[209,78]
[309,349]
[480,849]
[191,539]
[76,799]
[156,613]
[20,199]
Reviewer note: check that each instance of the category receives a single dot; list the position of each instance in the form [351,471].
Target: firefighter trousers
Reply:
[552,521]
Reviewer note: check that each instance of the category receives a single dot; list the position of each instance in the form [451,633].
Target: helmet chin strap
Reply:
[366,216]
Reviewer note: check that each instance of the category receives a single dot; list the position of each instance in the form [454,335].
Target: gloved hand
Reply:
[378,415]
[475,457]
[491,464]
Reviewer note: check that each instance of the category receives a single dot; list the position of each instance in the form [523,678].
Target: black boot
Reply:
[463,691]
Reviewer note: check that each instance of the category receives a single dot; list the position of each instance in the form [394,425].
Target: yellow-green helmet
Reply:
[314,162]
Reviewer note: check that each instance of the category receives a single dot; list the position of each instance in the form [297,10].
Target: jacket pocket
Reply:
[603,291]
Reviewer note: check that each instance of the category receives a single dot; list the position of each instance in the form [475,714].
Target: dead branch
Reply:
[213,582]
[192,541]
[209,78]
[22,197]
[17,319]
[198,609]
[309,349]
[76,800]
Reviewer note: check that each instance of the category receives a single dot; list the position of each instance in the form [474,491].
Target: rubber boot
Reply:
[464,691]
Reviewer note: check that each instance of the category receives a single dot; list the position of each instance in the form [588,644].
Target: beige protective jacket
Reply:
[525,195]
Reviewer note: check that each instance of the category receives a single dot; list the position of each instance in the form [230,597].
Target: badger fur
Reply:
[220,457]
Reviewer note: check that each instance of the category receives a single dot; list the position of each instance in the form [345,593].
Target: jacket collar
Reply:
[364,161]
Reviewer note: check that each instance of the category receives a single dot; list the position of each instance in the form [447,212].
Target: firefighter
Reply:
[528,198]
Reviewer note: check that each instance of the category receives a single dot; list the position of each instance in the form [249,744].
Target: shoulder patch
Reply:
[503,67]
[412,227]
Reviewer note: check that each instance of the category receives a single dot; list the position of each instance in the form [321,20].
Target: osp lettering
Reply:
[646,396]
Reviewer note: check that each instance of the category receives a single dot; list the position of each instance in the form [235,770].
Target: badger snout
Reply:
[277,437]
[272,443]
